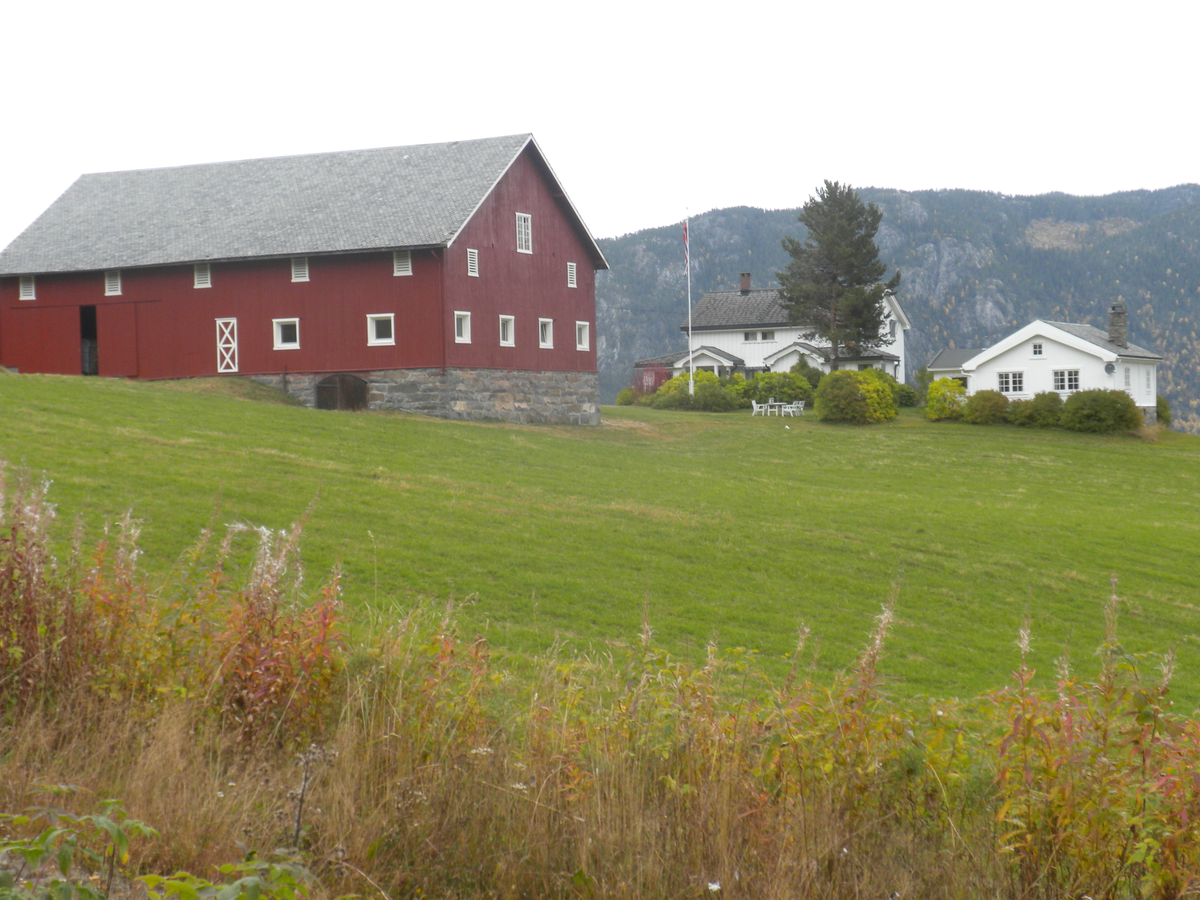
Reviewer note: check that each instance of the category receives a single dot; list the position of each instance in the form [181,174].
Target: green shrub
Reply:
[1043,411]
[856,397]
[985,408]
[809,373]
[944,399]
[625,397]
[1163,410]
[907,396]
[882,392]
[1100,412]
[710,394]
[783,386]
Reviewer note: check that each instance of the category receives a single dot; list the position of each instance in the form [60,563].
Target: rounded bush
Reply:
[1043,411]
[881,391]
[809,373]
[1100,412]
[625,397]
[710,394]
[907,396]
[985,408]
[783,386]
[855,397]
[944,399]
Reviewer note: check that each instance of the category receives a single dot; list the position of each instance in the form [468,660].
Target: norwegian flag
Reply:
[686,258]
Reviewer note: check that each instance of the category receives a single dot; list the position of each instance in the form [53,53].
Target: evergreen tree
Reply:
[832,283]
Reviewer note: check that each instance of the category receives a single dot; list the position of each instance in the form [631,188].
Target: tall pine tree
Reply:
[832,285]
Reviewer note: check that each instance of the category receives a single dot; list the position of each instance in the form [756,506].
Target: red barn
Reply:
[453,279]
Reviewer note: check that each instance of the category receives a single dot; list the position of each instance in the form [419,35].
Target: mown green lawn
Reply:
[720,526]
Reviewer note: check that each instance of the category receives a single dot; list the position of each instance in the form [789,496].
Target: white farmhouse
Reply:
[1061,357]
[749,331]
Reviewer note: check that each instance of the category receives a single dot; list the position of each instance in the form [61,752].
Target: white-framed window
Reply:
[227,345]
[401,262]
[381,330]
[1147,379]
[1128,378]
[572,278]
[462,327]
[1011,382]
[201,275]
[112,282]
[582,335]
[524,233]
[1066,379]
[28,287]
[1037,349]
[891,328]
[546,333]
[299,268]
[508,331]
[287,334]
[750,336]
[768,335]
[473,263]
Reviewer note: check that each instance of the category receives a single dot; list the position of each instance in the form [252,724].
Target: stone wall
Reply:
[568,398]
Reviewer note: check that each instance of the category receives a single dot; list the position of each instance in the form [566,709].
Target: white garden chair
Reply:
[757,409]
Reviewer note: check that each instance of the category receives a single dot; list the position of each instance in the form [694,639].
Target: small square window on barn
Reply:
[473,263]
[546,334]
[572,281]
[299,268]
[112,282]
[202,275]
[401,262]
[508,328]
[524,233]
[381,330]
[287,334]
[462,327]
[28,289]
[582,335]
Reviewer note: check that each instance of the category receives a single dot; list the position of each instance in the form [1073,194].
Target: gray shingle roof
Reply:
[390,198]
[952,358]
[1099,337]
[733,309]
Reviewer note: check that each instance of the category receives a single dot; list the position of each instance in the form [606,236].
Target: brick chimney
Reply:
[745,282]
[1118,325]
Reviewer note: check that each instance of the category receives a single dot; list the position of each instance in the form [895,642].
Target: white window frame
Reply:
[401,262]
[277,326]
[524,233]
[373,338]
[1037,348]
[1063,379]
[201,275]
[583,333]
[508,324]
[227,345]
[768,335]
[28,287]
[462,327]
[546,334]
[572,276]
[1010,382]
[299,268]
[472,262]
[749,335]
[112,283]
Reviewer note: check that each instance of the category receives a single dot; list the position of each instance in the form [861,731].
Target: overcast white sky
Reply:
[647,110]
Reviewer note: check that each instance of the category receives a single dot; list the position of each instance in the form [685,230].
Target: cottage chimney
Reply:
[1118,325]
[745,282]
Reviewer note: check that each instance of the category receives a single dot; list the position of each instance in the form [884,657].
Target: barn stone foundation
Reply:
[565,398]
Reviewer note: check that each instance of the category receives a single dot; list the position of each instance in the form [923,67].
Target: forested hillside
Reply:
[975,266]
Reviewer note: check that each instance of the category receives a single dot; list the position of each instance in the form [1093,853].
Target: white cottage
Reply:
[1062,357]
[749,331]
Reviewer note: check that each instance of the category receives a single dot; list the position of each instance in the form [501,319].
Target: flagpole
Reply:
[687,264]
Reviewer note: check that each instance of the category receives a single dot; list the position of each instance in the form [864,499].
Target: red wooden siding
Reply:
[526,286]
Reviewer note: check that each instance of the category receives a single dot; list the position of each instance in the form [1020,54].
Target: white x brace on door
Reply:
[227,360]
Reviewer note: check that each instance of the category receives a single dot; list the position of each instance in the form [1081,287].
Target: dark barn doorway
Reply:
[342,392]
[88,347]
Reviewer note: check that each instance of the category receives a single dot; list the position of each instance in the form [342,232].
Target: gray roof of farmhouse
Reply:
[1099,337]
[952,358]
[389,198]
[719,310]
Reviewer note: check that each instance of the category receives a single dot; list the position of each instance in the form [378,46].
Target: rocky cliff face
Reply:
[975,266]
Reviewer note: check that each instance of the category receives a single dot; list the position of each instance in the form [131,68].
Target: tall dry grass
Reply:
[230,713]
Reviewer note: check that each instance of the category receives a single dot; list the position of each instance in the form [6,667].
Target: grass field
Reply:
[719,525]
